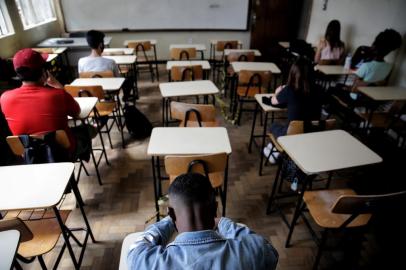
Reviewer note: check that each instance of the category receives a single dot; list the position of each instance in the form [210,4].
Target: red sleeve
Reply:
[72,107]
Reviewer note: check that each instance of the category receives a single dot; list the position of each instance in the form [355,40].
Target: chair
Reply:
[250,83]
[218,59]
[186,73]
[295,127]
[213,166]
[183,53]
[97,74]
[143,62]
[104,109]
[194,115]
[343,209]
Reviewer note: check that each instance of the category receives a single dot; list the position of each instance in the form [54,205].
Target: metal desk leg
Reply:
[252,128]
[163,111]
[263,143]
[154,178]
[156,64]
[224,202]
[274,187]
[296,215]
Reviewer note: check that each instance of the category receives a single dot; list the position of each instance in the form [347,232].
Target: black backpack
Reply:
[137,123]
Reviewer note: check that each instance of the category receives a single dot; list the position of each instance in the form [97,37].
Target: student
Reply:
[41,105]
[374,72]
[330,49]
[203,242]
[301,97]
[95,62]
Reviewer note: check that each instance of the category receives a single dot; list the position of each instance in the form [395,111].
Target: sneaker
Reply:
[269,146]
[272,158]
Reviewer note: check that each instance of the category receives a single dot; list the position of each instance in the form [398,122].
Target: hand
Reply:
[279,89]
[51,81]
[216,222]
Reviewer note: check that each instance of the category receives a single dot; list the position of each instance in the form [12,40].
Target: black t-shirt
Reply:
[300,106]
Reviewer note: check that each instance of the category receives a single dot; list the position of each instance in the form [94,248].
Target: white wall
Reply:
[361,21]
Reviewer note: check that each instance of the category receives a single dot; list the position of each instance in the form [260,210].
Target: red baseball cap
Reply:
[30,59]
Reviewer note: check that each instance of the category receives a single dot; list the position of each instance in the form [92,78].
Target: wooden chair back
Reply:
[18,149]
[19,225]
[118,52]
[183,53]
[186,112]
[226,44]
[187,73]
[254,78]
[97,74]
[204,164]
[241,57]
[298,127]
[367,204]
[85,91]
[140,46]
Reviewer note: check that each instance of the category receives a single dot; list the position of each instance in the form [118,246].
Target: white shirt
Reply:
[97,64]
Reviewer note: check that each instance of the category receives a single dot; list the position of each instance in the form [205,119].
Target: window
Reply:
[6,27]
[35,12]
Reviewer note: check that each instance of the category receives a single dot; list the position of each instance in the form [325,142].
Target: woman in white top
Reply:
[330,49]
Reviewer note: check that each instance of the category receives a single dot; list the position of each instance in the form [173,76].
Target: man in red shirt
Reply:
[40,105]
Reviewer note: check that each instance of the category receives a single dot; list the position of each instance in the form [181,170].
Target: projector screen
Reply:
[107,15]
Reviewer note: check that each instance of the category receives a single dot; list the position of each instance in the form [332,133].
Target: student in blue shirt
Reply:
[203,242]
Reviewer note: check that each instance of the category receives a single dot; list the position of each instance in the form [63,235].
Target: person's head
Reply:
[301,75]
[385,42]
[95,39]
[332,34]
[30,65]
[192,203]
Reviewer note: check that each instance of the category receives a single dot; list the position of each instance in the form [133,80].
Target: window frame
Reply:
[7,20]
[23,16]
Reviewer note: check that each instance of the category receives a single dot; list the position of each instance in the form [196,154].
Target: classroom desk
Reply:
[284,44]
[152,41]
[108,84]
[183,89]
[213,44]
[86,105]
[332,70]
[319,152]
[228,51]
[118,51]
[381,94]
[9,241]
[78,42]
[199,47]
[58,50]
[265,109]
[129,61]
[204,63]
[51,56]
[185,141]
[41,186]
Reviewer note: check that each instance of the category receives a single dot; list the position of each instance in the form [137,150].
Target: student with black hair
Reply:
[203,242]
[330,49]
[95,61]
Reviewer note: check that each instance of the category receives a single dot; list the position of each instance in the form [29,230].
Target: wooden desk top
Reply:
[108,84]
[384,93]
[86,105]
[255,66]
[78,42]
[188,88]
[188,141]
[122,59]
[327,151]
[33,186]
[118,51]
[205,64]
[228,51]
[284,44]
[8,247]
[199,47]
[267,108]
[333,70]
[58,50]
[153,41]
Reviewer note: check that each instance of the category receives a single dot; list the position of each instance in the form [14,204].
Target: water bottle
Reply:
[347,64]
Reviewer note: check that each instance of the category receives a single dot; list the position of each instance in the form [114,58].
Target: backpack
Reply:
[137,123]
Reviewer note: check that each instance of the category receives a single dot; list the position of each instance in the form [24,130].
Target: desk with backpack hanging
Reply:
[315,153]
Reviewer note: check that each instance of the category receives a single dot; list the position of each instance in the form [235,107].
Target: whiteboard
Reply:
[82,15]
